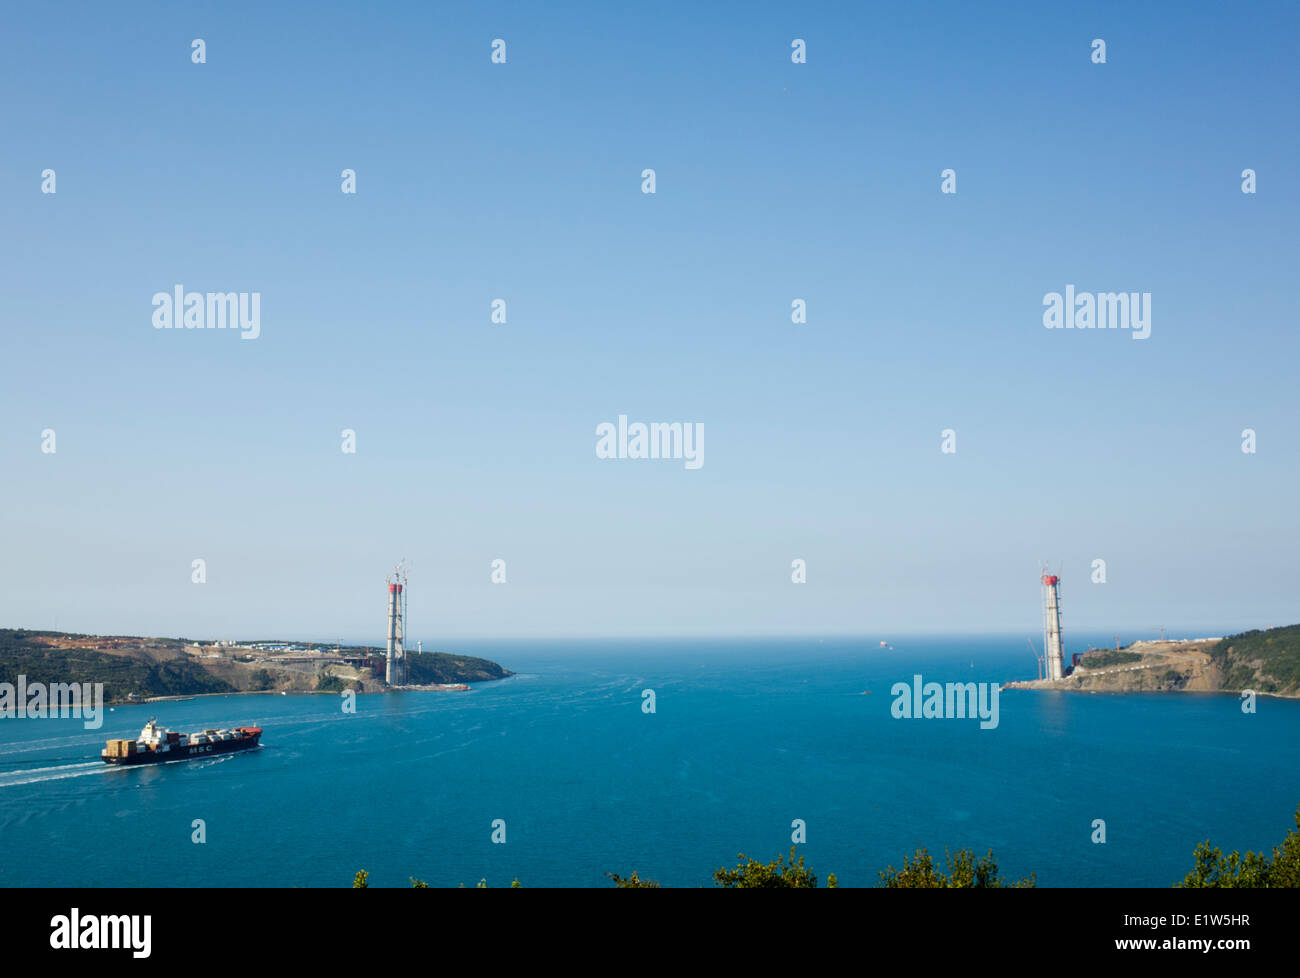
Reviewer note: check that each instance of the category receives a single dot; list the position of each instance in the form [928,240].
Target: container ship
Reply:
[157,745]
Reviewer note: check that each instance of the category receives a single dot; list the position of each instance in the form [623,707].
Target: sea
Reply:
[561,775]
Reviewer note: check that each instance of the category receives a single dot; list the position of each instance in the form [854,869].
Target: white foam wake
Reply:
[35,775]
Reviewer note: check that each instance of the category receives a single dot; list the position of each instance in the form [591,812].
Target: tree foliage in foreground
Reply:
[751,874]
[1254,869]
[964,871]
[1281,868]
[633,882]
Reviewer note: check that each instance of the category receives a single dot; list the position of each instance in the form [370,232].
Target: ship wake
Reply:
[36,775]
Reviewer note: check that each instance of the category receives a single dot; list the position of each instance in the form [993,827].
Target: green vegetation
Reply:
[440,667]
[362,882]
[1173,678]
[632,882]
[964,871]
[751,874]
[1105,659]
[1266,661]
[327,682]
[148,667]
[120,674]
[1254,869]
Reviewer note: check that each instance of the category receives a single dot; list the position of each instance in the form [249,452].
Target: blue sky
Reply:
[522,181]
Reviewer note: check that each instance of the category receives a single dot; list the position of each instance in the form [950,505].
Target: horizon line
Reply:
[1147,633]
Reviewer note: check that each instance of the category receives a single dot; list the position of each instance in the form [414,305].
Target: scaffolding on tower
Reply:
[396,673]
[1053,642]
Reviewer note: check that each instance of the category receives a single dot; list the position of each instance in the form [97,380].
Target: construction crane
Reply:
[398,576]
[1037,657]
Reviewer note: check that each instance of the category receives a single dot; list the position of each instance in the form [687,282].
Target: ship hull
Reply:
[187,752]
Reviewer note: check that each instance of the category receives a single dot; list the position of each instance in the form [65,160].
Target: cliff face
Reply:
[1263,661]
[144,666]
[1149,667]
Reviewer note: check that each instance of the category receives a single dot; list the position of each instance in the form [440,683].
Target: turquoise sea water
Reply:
[748,736]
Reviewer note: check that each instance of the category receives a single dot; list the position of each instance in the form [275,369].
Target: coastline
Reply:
[1162,666]
[1065,686]
[434,688]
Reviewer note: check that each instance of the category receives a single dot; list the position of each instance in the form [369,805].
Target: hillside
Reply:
[443,667]
[1265,661]
[146,667]
[1150,667]
[133,668]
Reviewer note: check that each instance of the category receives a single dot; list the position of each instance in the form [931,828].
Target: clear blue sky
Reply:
[522,181]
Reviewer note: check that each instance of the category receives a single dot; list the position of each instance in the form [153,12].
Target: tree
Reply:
[751,874]
[1254,869]
[964,871]
[361,881]
[633,882]
[327,682]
